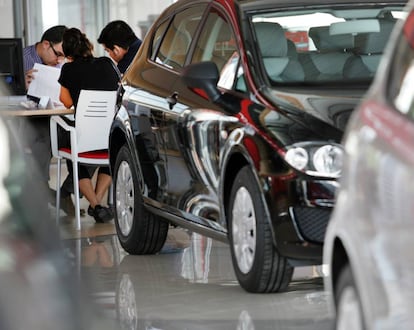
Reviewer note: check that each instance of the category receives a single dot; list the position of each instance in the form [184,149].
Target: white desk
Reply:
[35,112]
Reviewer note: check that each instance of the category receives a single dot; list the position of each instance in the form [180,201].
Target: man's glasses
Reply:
[57,54]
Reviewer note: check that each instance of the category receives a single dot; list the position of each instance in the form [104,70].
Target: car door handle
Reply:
[172,99]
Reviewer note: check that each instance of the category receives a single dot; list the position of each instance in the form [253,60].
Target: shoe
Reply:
[90,211]
[101,214]
[66,205]
[110,208]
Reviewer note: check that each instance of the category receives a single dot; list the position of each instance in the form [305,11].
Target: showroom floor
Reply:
[189,285]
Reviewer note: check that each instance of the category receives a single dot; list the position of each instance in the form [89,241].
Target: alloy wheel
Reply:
[124,198]
[244,230]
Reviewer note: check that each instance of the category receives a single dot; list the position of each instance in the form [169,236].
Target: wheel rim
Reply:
[124,198]
[244,230]
[349,311]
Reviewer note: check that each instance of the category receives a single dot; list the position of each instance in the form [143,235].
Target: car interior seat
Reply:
[368,51]
[273,46]
[327,62]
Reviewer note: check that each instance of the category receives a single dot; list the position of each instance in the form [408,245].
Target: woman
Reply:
[84,71]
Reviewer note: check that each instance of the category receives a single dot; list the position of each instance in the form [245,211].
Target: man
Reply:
[120,42]
[47,51]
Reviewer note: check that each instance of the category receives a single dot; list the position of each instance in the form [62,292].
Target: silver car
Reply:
[369,242]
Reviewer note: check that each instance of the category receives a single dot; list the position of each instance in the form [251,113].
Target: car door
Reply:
[170,48]
[196,134]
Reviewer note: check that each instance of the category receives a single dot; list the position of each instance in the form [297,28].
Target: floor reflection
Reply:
[189,285]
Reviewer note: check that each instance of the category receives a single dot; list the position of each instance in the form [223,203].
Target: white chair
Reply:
[94,115]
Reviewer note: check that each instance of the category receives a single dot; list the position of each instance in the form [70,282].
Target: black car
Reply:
[231,122]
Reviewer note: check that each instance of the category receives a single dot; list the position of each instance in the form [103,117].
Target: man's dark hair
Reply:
[117,33]
[54,34]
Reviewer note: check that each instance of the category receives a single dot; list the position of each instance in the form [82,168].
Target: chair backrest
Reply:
[94,115]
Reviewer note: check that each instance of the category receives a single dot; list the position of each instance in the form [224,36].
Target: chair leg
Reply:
[76,192]
[58,178]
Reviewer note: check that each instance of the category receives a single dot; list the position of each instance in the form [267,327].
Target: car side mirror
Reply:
[204,77]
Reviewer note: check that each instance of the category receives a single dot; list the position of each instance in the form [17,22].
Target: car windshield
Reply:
[324,45]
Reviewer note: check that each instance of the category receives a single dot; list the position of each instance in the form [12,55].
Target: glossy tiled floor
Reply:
[189,285]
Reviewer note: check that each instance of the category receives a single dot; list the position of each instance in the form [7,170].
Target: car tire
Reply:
[348,304]
[258,266]
[139,231]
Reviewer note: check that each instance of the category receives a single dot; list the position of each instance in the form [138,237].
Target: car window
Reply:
[157,40]
[401,82]
[217,44]
[342,43]
[176,41]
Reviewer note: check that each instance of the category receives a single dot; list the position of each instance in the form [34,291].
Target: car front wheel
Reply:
[258,265]
[139,231]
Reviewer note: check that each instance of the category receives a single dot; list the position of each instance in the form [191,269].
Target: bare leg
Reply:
[86,188]
[103,182]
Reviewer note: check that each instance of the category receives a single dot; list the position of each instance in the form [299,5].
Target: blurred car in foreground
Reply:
[231,124]
[369,243]
[39,288]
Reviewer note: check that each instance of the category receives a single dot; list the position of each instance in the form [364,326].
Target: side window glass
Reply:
[157,40]
[401,81]
[217,44]
[177,38]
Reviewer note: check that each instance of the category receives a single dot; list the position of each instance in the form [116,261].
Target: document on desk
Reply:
[45,83]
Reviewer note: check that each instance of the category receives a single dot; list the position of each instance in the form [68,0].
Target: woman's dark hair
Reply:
[117,33]
[76,44]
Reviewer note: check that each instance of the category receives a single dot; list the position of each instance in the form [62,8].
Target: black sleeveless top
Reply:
[89,73]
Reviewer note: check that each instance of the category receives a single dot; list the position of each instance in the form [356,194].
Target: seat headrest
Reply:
[271,38]
[375,42]
[324,41]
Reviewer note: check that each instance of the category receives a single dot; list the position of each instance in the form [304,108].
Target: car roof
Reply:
[250,5]
[257,4]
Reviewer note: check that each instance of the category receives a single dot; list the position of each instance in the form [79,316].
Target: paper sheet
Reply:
[45,82]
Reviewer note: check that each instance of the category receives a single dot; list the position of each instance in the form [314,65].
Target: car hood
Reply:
[318,114]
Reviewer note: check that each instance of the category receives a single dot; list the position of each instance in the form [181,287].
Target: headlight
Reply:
[316,158]
[328,159]
[297,157]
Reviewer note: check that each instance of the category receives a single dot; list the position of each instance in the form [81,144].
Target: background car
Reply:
[369,243]
[231,124]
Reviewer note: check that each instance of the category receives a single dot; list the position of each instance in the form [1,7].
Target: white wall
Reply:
[135,13]
[6,19]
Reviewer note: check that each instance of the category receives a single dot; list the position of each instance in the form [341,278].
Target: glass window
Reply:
[217,44]
[339,43]
[157,39]
[83,14]
[401,80]
[178,37]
